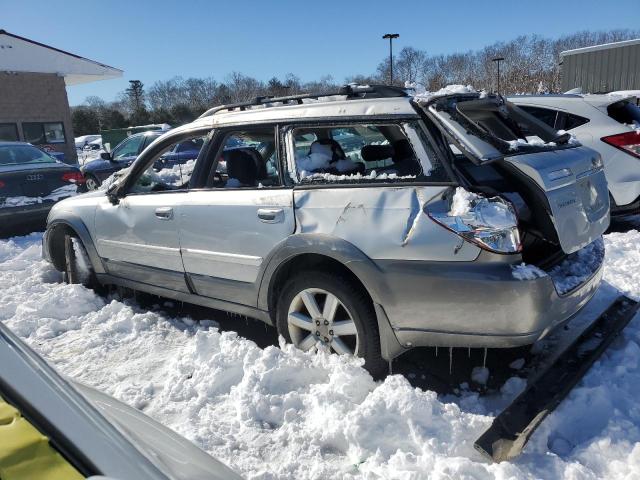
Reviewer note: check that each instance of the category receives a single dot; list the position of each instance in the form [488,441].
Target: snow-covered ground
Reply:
[281,413]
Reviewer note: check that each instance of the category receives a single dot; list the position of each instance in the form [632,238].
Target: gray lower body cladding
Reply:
[477,304]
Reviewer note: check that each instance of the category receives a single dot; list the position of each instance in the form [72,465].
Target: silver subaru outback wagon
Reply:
[369,221]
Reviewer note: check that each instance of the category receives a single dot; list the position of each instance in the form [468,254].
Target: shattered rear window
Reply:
[364,153]
[504,125]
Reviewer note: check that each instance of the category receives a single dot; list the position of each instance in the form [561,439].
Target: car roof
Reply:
[336,109]
[595,99]
[8,144]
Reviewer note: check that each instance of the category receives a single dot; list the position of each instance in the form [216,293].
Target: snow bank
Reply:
[278,413]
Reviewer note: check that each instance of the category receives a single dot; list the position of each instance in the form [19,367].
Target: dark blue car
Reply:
[31,181]
[124,154]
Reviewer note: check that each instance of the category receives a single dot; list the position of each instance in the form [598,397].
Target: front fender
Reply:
[74,222]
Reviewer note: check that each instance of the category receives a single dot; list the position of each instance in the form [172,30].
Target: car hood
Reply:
[172,452]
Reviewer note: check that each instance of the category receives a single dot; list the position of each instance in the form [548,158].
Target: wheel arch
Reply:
[334,254]
[54,242]
[317,251]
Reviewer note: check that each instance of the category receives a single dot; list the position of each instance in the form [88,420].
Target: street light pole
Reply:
[498,60]
[390,36]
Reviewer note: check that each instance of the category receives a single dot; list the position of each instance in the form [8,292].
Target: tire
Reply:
[92,182]
[78,268]
[353,312]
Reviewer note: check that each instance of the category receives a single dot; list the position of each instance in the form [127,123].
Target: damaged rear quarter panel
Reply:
[384,222]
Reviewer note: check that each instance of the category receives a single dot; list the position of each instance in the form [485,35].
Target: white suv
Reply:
[609,124]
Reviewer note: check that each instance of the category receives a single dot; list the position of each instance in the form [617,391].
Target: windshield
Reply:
[23,154]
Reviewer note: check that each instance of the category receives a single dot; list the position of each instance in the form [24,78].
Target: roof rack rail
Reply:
[351,91]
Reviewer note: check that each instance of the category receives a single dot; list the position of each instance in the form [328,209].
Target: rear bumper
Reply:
[478,304]
[13,217]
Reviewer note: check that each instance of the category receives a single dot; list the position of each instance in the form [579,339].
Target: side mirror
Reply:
[113,193]
[105,156]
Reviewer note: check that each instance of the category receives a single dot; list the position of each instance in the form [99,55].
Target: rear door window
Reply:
[569,121]
[364,153]
[625,112]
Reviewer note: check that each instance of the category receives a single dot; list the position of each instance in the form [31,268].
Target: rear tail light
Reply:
[2,184]
[628,142]
[490,223]
[73,177]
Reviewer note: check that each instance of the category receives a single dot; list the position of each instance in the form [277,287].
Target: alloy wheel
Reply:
[316,315]
[91,183]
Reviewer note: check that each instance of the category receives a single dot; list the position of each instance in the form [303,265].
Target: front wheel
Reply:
[77,266]
[92,182]
[321,307]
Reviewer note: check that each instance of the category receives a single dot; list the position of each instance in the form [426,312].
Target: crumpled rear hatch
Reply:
[569,178]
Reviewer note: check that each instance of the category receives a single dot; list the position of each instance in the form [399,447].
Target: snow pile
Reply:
[529,142]
[176,175]
[572,138]
[574,270]
[57,194]
[278,413]
[527,272]
[577,267]
[481,211]
[373,175]
[461,202]
[320,157]
[422,95]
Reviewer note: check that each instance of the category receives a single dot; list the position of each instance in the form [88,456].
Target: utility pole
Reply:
[390,36]
[498,60]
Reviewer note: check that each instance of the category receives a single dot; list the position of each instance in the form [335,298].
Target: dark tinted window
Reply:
[545,115]
[624,112]
[20,154]
[571,121]
[8,132]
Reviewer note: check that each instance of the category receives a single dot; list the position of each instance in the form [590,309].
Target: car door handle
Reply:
[164,213]
[271,215]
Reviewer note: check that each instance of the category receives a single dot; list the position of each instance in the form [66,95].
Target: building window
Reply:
[40,133]
[9,132]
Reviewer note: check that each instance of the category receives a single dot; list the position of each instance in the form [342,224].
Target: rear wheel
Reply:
[321,307]
[92,182]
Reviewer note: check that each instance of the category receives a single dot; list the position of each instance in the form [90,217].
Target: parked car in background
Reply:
[123,155]
[52,428]
[31,181]
[97,171]
[85,140]
[610,124]
[409,245]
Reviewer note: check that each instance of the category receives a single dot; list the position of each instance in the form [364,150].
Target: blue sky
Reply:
[156,40]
